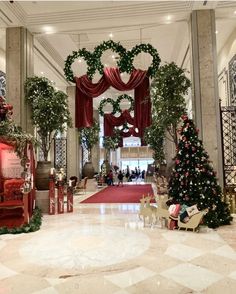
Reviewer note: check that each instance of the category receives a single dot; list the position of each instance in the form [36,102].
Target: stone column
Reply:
[206,112]
[73,146]
[19,66]
[96,148]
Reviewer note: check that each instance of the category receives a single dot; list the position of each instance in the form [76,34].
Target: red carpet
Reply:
[125,194]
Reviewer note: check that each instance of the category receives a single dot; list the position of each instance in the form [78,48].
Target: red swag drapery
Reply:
[86,91]
[110,121]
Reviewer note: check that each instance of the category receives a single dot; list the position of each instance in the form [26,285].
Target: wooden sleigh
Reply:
[194,221]
[160,212]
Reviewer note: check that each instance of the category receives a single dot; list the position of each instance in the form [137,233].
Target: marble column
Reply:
[73,146]
[206,112]
[19,66]
[96,148]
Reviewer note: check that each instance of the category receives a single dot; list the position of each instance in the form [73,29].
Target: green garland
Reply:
[116,104]
[33,225]
[125,63]
[10,132]
[125,97]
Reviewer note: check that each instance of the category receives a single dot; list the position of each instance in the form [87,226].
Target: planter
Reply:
[88,170]
[162,170]
[42,175]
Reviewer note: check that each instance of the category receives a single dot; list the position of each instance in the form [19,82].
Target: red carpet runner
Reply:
[125,194]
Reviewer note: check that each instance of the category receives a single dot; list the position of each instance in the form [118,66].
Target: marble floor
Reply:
[102,248]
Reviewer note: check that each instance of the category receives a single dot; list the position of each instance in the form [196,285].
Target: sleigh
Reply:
[194,221]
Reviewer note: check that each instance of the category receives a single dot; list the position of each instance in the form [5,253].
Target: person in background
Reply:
[120,178]
[143,174]
[127,173]
[110,178]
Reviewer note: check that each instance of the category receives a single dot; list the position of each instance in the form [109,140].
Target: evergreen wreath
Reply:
[125,97]
[87,56]
[98,51]
[115,106]
[125,63]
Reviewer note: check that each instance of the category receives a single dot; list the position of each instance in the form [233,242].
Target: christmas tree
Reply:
[194,181]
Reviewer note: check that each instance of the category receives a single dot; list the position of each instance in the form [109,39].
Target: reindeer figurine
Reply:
[161,211]
[145,211]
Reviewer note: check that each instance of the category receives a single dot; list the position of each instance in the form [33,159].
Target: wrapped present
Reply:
[192,210]
[174,210]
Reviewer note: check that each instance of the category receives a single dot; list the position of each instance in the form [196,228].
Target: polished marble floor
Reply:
[105,249]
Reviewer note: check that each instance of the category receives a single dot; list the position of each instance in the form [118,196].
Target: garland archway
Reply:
[86,90]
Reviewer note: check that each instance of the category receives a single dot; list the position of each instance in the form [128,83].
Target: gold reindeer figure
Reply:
[161,211]
[145,211]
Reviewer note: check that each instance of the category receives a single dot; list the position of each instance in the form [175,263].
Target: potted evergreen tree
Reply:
[50,115]
[89,137]
[168,90]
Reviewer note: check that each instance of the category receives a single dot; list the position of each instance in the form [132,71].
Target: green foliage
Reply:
[193,180]
[125,63]
[88,137]
[112,143]
[50,113]
[167,95]
[154,137]
[10,132]
[34,225]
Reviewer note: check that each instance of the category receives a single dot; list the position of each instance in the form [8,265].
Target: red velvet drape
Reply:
[130,132]
[86,91]
[110,121]
[142,106]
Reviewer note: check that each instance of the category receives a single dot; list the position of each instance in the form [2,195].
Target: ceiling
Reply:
[60,27]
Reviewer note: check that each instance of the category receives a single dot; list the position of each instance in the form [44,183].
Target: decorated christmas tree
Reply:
[194,181]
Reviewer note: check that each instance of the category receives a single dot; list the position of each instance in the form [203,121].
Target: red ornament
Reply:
[184,117]
[180,130]
[177,161]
